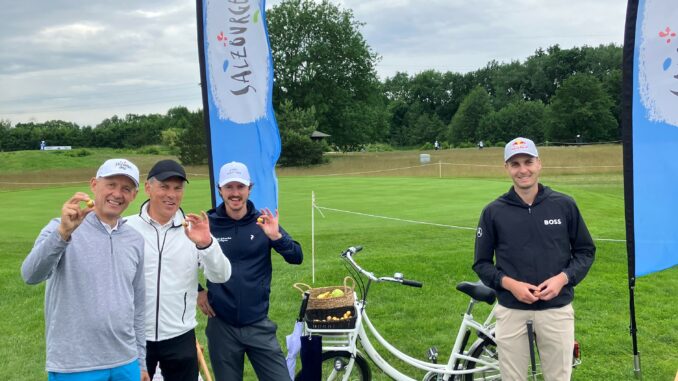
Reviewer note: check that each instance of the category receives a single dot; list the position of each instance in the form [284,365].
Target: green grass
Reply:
[411,319]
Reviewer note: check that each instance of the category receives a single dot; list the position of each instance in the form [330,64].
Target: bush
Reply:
[77,153]
[426,147]
[300,150]
[149,150]
[378,147]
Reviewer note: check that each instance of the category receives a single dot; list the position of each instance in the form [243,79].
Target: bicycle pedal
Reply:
[432,354]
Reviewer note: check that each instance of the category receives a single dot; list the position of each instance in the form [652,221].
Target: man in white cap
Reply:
[238,321]
[94,299]
[177,246]
[532,247]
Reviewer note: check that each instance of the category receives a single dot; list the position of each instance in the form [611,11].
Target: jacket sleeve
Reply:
[483,262]
[215,265]
[583,248]
[288,248]
[139,286]
[45,255]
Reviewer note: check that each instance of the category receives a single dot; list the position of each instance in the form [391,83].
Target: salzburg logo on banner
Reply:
[238,67]
[237,79]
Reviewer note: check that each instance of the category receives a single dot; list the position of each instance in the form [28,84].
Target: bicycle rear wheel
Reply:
[487,351]
[334,367]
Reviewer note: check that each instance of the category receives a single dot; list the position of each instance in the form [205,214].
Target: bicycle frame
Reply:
[347,340]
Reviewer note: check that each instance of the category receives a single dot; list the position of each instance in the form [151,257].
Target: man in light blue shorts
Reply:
[94,299]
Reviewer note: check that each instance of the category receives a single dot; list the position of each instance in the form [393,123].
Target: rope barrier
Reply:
[431,223]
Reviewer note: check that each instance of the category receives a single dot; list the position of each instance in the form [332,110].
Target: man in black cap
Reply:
[176,246]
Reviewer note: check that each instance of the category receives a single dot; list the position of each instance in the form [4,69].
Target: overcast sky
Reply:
[84,61]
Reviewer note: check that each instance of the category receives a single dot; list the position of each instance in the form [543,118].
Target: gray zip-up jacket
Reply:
[94,298]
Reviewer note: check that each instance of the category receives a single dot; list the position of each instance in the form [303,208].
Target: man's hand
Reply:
[198,229]
[551,287]
[269,224]
[204,305]
[72,215]
[145,376]
[522,291]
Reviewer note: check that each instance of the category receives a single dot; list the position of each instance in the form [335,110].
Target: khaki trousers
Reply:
[554,330]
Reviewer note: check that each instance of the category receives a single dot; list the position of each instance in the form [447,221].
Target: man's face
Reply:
[165,197]
[112,195]
[524,170]
[235,195]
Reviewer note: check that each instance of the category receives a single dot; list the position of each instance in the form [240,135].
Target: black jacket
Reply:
[531,244]
[244,298]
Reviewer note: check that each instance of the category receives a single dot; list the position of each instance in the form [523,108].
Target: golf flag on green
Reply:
[236,72]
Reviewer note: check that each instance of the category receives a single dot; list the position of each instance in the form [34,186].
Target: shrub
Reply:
[78,153]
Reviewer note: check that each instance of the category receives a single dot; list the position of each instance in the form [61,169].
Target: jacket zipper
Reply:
[157,295]
[184,313]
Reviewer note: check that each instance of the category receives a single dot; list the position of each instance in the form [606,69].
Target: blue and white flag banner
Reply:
[237,82]
[650,132]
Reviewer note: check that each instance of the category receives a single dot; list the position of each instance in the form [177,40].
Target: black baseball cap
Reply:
[164,169]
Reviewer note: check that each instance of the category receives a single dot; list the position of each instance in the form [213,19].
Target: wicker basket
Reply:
[314,303]
[317,319]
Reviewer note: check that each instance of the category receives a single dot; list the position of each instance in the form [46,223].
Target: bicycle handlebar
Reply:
[397,278]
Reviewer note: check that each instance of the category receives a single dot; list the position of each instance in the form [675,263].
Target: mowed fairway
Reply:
[409,220]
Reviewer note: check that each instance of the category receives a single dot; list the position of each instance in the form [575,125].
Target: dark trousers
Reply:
[178,357]
[228,345]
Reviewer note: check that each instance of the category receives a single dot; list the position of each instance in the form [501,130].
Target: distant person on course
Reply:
[174,253]
[532,247]
[94,267]
[238,321]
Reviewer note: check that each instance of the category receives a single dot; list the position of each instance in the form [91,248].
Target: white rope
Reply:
[432,223]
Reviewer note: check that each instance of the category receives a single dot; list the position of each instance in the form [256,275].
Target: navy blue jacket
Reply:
[244,298]
[531,243]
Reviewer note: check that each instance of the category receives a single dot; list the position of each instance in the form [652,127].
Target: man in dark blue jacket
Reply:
[238,321]
[532,247]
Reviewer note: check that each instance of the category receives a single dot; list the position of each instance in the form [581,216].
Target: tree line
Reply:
[325,79]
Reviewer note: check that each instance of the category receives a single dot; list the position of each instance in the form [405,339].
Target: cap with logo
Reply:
[165,169]
[115,167]
[520,145]
[234,171]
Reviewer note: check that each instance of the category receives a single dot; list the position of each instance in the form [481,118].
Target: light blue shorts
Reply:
[129,372]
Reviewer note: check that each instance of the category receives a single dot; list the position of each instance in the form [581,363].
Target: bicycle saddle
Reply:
[478,291]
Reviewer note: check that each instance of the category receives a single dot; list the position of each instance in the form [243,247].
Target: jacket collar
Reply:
[511,197]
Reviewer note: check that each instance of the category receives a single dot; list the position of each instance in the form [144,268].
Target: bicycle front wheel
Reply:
[334,367]
[486,351]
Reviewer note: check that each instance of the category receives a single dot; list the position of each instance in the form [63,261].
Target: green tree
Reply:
[465,123]
[581,107]
[296,126]
[323,61]
[522,118]
[193,150]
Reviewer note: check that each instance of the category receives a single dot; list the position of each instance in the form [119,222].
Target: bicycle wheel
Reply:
[334,367]
[487,351]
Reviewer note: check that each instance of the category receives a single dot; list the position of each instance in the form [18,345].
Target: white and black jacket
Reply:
[171,264]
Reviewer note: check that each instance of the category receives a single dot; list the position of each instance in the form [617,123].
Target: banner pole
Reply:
[313,237]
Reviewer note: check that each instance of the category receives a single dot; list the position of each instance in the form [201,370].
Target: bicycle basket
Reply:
[315,303]
[334,318]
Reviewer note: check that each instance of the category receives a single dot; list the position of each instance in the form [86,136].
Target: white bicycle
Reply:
[343,360]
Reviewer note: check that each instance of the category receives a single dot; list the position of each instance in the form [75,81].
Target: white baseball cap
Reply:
[114,167]
[520,145]
[234,171]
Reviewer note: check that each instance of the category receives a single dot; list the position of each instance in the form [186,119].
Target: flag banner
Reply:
[650,134]
[237,86]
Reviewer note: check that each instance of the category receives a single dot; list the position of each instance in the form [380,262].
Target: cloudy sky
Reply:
[84,61]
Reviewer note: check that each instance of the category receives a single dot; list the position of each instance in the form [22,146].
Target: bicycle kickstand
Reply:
[530,338]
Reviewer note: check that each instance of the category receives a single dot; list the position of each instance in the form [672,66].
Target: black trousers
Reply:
[228,345]
[178,357]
